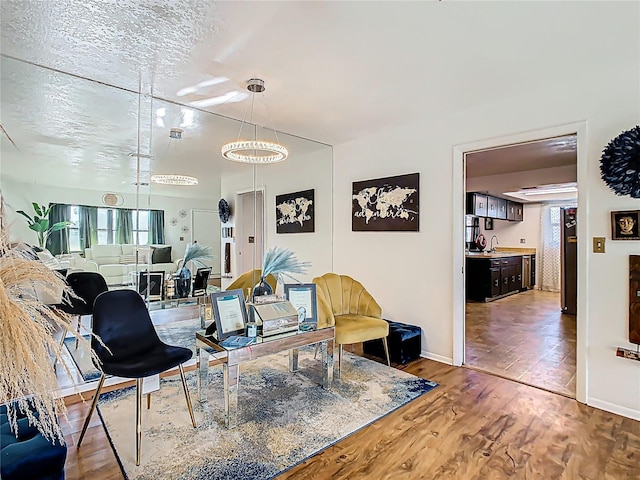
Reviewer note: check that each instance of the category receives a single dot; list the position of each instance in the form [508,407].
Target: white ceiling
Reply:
[334,71]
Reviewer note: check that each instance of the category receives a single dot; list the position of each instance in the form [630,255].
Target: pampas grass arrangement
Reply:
[27,345]
[281,262]
[196,253]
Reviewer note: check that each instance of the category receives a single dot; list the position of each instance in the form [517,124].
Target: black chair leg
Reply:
[186,395]
[93,407]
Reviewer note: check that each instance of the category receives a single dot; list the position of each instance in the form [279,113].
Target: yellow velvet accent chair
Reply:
[345,303]
[250,279]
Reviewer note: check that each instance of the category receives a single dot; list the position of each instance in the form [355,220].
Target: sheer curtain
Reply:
[549,258]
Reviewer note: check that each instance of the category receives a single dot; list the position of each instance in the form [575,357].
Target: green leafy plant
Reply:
[281,262]
[39,223]
[196,253]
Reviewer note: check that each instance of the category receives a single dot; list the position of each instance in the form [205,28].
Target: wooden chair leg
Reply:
[186,395]
[386,350]
[93,407]
[315,354]
[148,401]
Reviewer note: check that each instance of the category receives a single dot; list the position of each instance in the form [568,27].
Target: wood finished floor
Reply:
[524,337]
[473,426]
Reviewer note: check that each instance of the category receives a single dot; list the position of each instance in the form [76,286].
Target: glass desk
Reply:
[232,358]
[175,309]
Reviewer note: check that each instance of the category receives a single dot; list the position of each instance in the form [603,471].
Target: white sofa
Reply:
[116,262]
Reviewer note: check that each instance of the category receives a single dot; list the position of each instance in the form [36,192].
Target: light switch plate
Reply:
[598,244]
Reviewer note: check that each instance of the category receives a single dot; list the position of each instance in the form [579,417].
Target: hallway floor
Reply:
[524,337]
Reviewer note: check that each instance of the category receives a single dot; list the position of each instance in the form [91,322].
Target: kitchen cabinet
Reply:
[477,204]
[483,205]
[502,209]
[488,279]
[492,207]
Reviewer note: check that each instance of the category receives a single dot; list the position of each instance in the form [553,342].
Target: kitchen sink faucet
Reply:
[493,249]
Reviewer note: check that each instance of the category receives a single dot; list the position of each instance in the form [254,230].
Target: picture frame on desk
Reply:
[151,284]
[229,314]
[303,296]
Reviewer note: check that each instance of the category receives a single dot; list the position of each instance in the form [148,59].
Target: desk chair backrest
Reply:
[87,286]
[122,321]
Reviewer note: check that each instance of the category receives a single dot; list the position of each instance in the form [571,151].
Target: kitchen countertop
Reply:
[501,254]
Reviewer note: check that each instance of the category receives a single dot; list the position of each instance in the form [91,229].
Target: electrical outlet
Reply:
[598,244]
[523,240]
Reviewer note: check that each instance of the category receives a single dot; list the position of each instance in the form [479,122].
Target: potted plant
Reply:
[39,223]
[194,253]
[29,351]
[279,262]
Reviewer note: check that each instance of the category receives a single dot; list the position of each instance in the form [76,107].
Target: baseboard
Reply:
[436,357]
[613,408]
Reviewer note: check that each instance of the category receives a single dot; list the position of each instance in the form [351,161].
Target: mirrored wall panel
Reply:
[141,178]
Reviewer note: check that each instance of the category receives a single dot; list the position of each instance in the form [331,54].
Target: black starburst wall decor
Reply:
[620,163]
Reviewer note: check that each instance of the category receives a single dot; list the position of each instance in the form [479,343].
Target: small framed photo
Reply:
[488,223]
[229,313]
[150,284]
[625,225]
[303,297]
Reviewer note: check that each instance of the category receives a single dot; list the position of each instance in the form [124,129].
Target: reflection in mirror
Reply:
[308,167]
[86,144]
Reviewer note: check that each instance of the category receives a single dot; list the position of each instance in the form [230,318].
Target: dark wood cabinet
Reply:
[511,210]
[477,204]
[491,278]
[519,212]
[483,205]
[492,207]
[502,209]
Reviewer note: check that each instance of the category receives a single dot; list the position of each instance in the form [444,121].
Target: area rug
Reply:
[283,418]
[182,333]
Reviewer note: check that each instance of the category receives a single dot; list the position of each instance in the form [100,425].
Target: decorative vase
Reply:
[183,282]
[262,288]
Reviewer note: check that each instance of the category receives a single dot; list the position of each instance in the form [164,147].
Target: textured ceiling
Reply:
[335,71]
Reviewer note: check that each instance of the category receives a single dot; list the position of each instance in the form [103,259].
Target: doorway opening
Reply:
[520,264]
[250,231]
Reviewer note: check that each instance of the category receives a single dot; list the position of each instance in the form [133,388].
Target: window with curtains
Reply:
[107,226]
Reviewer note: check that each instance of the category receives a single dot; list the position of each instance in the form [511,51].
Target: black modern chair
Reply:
[87,286]
[131,348]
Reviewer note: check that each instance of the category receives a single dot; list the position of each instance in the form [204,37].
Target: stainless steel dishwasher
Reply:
[526,271]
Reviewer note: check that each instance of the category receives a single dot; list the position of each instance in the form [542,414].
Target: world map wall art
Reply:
[295,212]
[388,204]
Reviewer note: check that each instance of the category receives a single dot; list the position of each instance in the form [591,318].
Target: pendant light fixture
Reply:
[255,151]
[175,134]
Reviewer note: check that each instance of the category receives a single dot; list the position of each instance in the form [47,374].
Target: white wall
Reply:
[19,196]
[299,172]
[410,274]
